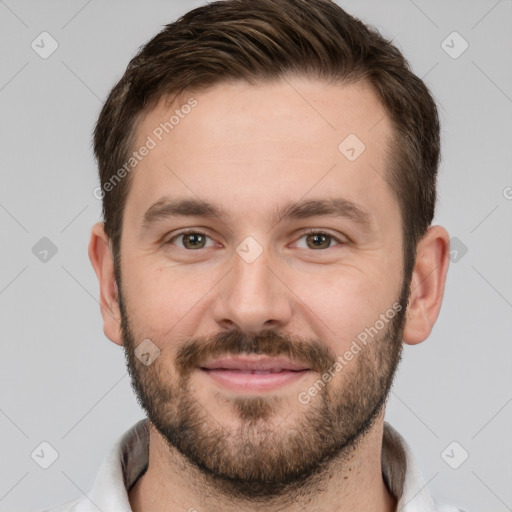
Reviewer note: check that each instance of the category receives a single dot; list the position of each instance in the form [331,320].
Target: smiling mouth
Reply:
[253,374]
[253,380]
[254,363]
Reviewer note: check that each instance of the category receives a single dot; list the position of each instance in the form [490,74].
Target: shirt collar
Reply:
[129,457]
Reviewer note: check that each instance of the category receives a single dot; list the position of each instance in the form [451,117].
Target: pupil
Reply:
[319,240]
[193,239]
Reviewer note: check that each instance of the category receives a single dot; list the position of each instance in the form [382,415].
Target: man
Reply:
[268,177]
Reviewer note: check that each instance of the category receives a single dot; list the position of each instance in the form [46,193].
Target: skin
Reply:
[253,148]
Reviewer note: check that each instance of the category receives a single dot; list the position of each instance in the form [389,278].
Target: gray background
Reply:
[63,382]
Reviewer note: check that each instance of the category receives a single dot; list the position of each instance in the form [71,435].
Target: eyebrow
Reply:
[166,208]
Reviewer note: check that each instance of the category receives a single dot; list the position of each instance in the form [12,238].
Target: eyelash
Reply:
[303,234]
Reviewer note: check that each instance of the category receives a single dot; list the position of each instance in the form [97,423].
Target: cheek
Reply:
[345,304]
[160,298]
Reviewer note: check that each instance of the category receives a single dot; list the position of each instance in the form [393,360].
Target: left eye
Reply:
[318,240]
[192,240]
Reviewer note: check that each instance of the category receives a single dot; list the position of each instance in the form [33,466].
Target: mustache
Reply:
[310,353]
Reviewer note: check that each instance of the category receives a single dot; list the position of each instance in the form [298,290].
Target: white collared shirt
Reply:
[128,460]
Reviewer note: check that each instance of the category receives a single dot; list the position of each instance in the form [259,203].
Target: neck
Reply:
[354,483]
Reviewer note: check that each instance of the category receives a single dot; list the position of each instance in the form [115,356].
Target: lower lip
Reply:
[240,381]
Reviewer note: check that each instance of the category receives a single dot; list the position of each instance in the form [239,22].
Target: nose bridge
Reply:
[253,297]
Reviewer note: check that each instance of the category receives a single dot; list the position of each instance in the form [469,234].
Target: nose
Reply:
[253,296]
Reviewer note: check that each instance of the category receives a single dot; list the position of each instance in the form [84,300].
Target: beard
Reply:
[266,454]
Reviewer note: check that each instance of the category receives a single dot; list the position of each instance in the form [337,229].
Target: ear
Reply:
[103,264]
[427,284]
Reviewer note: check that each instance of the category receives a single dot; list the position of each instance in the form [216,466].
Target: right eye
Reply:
[191,240]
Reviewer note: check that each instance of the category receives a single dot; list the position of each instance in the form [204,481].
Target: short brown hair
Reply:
[265,40]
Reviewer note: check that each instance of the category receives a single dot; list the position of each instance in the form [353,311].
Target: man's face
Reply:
[252,284]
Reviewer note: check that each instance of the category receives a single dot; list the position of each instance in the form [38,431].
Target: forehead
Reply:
[235,143]
[305,112]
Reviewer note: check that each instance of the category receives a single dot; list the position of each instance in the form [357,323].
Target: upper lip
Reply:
[253,363]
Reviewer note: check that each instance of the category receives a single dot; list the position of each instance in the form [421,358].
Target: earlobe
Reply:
[101,259]
[427,284]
